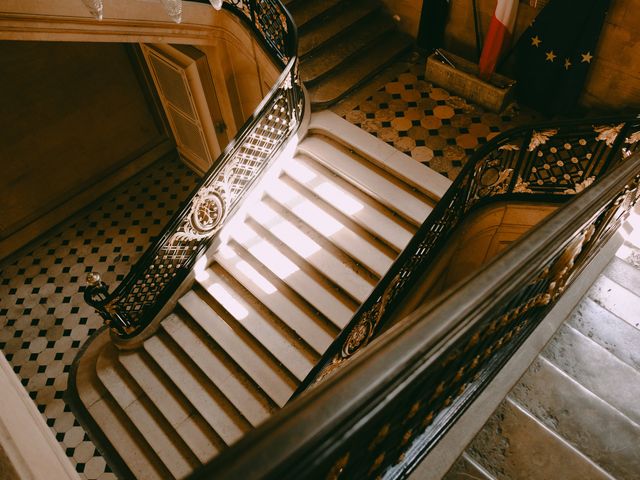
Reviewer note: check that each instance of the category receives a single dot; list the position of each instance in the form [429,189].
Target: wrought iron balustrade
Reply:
[544,162]
[134,303]
[379,415]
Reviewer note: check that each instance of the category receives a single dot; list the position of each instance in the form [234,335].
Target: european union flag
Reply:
[555,52]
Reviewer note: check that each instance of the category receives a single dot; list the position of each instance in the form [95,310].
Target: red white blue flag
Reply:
[499,36]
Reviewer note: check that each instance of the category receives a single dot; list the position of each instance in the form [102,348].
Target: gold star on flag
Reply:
[586,57]
[535,41]
[550,56]
[567,63]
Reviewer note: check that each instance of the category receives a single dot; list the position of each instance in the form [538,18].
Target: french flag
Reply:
[499,36]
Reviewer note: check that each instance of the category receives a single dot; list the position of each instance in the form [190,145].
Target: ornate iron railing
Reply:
[391,404]
[544,162]
[132,306]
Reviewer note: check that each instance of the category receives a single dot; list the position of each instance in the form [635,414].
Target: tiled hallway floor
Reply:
[43,318]
[424,121]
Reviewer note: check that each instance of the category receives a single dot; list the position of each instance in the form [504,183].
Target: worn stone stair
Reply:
[343,43]
[292,268]
[575,413]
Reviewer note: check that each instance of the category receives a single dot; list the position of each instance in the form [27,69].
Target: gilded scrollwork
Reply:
[608,133]
[540,138]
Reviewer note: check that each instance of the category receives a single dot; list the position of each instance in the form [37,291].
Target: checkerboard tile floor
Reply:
[43,317]
[428,123]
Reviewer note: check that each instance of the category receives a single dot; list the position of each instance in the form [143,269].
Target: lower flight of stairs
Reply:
[290,271]
[343,43]
[575,414]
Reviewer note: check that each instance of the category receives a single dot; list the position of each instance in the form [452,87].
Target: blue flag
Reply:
[554,54]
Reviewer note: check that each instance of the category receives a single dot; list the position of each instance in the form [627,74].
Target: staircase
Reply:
[574,414]
[290,271]
[343,43]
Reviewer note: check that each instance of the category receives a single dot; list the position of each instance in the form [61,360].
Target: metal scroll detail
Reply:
[131,307]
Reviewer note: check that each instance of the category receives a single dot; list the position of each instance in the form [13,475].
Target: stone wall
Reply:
[614,80]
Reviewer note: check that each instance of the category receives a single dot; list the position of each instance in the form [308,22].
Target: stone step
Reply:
[596,369]
[333,226]
[275,295]
[144,417]
[580,418]
[301,248]
[466,468]
[341,195]
[343,81]
[341,18]
[262,326]
[610,332]
[181,415]
[271,380]
[368,177]
[223,417]
[619,300]
[513,445]
[314,288]
[304,12]
[334,52]
[254,406]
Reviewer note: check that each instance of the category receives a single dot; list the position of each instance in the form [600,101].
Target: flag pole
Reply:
[476,24]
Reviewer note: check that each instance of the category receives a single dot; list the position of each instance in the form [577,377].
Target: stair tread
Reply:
[131,446]
[142,415]
[342,19]
[362,172]
[304,12]
[580,417]
[361,68]
[300,321]
[259,327]
[226,380]
[171,403]
[608,331]
[596,369]
[312,253]
[619,300]
[344,196]
[336,232]
[225,423]
[466,468]
[514,445]
[332,53]
[273,384]
[329,303]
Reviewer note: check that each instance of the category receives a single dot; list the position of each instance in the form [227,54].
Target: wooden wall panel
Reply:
[72,114]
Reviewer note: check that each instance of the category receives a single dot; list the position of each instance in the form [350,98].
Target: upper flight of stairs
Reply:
[343,43]
[575,413]
[292,268]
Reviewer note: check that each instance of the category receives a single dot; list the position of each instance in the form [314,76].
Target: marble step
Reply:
[513,445]
[331,54]
[580,418]
[314,329]
[596,369]
[342,18]
[143,416]
[334,226]
[257,324]
[610,332]
[365,66]
[466,468]
[620,301]
[174,406]
[261,369]
[207,399]
[339,194]
[377,183]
